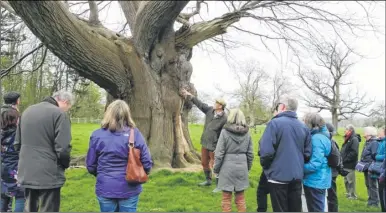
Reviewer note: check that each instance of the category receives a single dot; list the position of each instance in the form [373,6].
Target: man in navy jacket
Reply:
[284,148]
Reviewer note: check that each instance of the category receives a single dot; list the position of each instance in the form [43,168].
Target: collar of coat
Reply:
[237,129]
[218,114]
[51,100]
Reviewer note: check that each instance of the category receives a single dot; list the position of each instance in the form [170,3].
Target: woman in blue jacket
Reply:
[9,162]
[317,173]
[107,159]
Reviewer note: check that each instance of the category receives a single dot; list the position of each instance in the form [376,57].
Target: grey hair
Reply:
[371,131]
[64,96]
[314,121]
[290,103]
[236,116]
[350,127]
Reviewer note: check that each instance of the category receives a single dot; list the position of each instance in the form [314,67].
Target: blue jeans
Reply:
[315,199]
[118,205]
[6,204]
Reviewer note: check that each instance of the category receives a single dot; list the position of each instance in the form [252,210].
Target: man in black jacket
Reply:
[43,137]
[350,155]
[332,195]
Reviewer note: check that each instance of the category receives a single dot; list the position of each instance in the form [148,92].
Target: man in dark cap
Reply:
[12,99]
[332,198]
[11,102]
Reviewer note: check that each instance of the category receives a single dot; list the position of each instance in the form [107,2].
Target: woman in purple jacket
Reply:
[107,159]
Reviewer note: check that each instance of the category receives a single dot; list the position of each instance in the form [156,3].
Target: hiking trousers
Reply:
[207,159]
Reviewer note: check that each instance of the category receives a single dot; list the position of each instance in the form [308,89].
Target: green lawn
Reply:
[177,192]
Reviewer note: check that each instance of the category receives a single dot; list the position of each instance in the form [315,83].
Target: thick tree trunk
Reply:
[160,113]
[147,70]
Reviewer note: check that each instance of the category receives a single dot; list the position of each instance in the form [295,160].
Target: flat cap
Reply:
[221,101]
[11,97]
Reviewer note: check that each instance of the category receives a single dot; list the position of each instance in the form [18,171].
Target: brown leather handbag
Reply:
[135,173]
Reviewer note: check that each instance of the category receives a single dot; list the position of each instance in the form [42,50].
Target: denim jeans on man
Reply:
[6,204]
[315,199]
[118,205]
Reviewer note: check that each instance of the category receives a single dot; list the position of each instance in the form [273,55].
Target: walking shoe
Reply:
[352,198]
[206,183]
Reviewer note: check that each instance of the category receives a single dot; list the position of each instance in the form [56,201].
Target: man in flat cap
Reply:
[215,119]
[12,99]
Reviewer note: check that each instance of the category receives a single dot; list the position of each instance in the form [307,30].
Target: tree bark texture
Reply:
[150,83]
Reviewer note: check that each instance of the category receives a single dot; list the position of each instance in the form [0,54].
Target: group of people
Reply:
[295,155]
[36,151]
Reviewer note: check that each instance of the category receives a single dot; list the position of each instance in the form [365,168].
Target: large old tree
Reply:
[149,68]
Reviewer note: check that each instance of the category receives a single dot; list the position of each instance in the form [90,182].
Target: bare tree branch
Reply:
[5,72]
[326,87]
[152,18]
[130,9]
[205,30]
[5,5]
[34,69]
[65,43]
[94,16]
[183,18]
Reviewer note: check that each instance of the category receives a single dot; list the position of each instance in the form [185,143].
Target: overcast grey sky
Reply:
[211,69]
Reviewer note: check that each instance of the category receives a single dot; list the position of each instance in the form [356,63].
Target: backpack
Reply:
[333,158]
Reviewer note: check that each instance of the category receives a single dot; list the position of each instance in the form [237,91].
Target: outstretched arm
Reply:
[200,105]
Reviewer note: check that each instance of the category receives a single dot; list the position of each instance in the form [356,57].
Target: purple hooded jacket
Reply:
[107,160]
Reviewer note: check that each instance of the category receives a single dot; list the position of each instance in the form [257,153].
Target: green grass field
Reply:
[178,192]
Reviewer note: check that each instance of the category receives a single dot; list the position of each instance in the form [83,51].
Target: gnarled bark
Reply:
[149,84]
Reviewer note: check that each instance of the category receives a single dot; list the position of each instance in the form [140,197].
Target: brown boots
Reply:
[226,203]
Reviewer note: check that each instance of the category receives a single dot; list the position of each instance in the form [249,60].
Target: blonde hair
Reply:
[236,116]
[117,116]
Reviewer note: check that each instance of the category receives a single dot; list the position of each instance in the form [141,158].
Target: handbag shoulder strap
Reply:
[131,137]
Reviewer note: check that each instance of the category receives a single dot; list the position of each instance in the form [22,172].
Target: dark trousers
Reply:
[372,190]
[384,195]
[381,187]
[262,193]
[49,200]
[286,197]
[315,199]
[332,197]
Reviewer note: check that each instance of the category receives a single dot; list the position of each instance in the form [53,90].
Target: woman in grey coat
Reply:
[233,160]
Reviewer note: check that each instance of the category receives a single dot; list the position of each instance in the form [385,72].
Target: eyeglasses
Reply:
[277,106]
